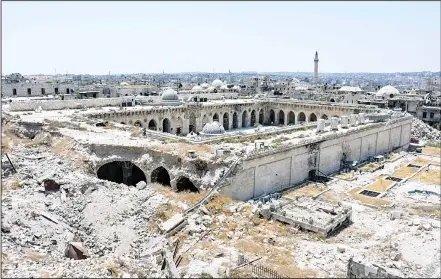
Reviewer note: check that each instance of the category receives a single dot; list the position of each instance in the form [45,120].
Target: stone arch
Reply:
[152,125]
[312,117]
[216,117]
[261,117]
[244,118]
[272,117]
[166,126]
[184,184]
[192,125]
[235,121]
[291,118]
[301,117]
[281,117]
[121,172]
[253,117]
[138,123]
[226,121]
[332,100]
[160,175]
[324,116]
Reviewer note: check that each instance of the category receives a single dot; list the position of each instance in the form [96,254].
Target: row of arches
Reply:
[301,117]
[128,173]
[244,119]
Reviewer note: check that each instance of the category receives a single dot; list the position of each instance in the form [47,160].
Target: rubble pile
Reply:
[49,208]
[424,132]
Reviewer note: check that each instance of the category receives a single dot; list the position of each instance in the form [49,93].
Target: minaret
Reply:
[316,60]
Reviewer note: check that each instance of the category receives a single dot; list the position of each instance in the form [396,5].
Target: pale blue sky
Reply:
[147,37]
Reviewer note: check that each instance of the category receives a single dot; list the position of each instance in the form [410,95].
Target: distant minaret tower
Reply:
[316,60]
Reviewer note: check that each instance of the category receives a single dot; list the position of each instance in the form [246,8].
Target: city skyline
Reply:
[151,37]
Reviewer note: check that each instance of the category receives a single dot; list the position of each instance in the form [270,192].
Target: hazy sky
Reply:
[148,37]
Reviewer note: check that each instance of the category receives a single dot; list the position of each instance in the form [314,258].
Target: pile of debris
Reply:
[424,132]
[58,220]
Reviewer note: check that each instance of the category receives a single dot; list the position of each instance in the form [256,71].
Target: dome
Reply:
[205,85]
[213,128]
[387,91]
[212,89]
[217,83]
[196,88]
[123,83]
[169,95]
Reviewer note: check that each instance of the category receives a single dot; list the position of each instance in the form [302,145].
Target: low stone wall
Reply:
[64,104]
[359,270]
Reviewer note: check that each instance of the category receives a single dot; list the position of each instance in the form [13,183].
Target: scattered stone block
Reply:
[427,227]
[141,185]
[341,249]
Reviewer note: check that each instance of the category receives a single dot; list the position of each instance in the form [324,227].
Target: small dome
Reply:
[196,88]
[387,91]
[217,83]
[169,95]
[123,83]
[212,89]
[213,128]
[205,85]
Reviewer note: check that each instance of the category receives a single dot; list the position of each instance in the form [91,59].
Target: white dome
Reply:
[196,88]
[213,128]
[212,89]
[123,83]
[217,83]
[387,91]
[169,95]
[205,85]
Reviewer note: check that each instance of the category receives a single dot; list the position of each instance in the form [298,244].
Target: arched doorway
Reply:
[216,117]
[152,125]
[226,121]
[192,125]
[324,116]
[301,118]
[291,118]
[244,118]
[138,123]
[281,117]
[332,100]
[184,184]
[166,125]
[272,117]
[312,117]
[261,117]
[160,175]
[253,117]
[121,172]
[235,121]
[124,123]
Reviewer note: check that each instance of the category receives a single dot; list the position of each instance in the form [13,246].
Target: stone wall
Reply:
[359,270]
[21,89]
[63,104]
[278,169]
